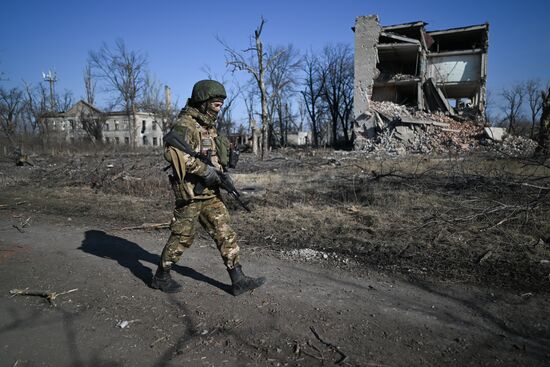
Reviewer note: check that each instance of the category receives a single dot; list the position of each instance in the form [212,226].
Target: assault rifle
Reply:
[226,182]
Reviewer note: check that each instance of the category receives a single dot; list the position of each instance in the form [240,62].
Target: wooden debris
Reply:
[158,341]
[7,206]
[22,225]
[485,256]
[146,226]
[50,296]
[336,348]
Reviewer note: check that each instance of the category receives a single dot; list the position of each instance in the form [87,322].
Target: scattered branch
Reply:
[146,226]
[330,345]
[7,206]
[50,296]
[158,341]
[22,225]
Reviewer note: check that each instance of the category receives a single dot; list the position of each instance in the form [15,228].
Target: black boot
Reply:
[163,281]
[241,283]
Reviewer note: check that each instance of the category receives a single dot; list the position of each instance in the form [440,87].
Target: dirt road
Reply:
[310,313]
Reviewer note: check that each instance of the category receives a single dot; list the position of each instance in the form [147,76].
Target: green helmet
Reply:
[206,89]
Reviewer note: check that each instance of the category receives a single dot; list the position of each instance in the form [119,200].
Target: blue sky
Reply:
[179,40]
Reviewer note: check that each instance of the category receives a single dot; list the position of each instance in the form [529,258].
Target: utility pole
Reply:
[51,78]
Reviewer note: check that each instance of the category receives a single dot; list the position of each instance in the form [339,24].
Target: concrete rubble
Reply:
[401,129]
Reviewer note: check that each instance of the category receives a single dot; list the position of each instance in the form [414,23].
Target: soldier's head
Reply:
[208,96]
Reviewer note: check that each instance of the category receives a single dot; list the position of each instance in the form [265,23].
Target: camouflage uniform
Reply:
[196,186]
[199,131]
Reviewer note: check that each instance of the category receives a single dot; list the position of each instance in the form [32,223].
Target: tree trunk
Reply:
[261,84]
[544,131]
[281,123]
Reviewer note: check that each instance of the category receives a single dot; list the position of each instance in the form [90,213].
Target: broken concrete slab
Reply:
[412,120]
[365,125]
[436,99]
[495,133]
[397,37]
[404,133]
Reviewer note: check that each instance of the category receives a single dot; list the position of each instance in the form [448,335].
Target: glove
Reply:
[211,178]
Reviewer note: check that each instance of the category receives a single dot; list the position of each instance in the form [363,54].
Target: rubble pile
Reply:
[512,146]
[385,77]
[391,109]
[402,129]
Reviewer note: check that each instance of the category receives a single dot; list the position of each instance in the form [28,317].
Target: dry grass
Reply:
[472,219]
[467,219]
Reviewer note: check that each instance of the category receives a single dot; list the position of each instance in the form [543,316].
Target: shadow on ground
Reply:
[129,254]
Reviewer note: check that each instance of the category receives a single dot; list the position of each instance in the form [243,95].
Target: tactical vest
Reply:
[203,140]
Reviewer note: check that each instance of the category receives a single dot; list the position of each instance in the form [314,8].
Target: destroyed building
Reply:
[407,64]
[442,72]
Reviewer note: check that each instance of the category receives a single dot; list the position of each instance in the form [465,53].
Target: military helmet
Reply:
[206,89]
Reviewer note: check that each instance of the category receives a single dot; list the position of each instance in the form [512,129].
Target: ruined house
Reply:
[443,71]
[115,128]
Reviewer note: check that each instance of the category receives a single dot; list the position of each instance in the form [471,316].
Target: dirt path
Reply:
[308,314]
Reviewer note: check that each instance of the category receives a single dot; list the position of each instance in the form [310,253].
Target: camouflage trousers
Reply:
[214,217]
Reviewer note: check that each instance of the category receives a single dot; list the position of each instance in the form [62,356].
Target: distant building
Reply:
[70,126]
[299,138]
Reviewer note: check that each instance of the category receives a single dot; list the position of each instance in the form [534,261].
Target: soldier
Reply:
[196,187]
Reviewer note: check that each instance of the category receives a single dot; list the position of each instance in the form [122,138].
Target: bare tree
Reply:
[256,66]
[346,107]
[64,101]
[93,123]
[11,105]
[249,102]
[337,65]
[36,107]
[490,115]
[89,84]
[513,99]
[281,81]
[157,100]
[123,72]
[225,118]
[151,97]
[544,130]
[534,94]
[315,77]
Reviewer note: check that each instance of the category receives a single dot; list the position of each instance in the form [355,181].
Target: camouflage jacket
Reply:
[199,131]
